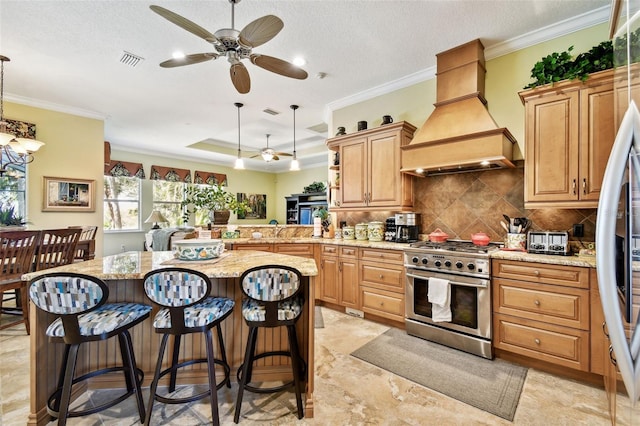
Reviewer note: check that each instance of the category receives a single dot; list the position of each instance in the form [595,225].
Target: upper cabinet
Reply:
[369,169]
[569,132]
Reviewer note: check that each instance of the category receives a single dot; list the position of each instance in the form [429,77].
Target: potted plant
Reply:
[214,199]
[9,219]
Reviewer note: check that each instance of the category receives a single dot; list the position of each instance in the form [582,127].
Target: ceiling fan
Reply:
[269,154]
[235,45]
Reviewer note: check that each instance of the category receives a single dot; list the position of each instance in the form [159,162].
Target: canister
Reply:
[361,231]
[348,233]
[375,231]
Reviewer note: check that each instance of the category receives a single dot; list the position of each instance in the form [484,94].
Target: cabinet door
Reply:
[552,148]
[384,166]
[353,186]
[329,279]
[597,133]
[348,273]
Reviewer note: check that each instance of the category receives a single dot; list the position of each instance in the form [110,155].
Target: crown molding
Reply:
[22,100]
[550,32]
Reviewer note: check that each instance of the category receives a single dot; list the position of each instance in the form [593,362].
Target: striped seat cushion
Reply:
[105,319]
[289,309]
[270,284]
[199,315]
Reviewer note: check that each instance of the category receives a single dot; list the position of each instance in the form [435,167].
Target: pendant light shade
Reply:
[13,150]
[295,164]
[239,161]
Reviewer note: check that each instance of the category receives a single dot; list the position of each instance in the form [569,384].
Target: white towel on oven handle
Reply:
[439,294]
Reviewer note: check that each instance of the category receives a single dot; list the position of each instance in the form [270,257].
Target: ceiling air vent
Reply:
[130,59]
[270,111]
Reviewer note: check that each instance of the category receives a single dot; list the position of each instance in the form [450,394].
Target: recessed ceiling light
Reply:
[299,61]
[178,55]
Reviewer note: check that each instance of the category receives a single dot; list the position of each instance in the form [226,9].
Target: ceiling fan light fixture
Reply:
[295,164]
[299,61]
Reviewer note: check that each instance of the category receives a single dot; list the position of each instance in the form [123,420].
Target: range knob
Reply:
[425,260]
[471,266]
[438,263]
[414,259]
[447,263]
[459,264]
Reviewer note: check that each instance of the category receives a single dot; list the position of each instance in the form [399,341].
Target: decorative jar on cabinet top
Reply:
[376,231]
[361,231]
[348,233]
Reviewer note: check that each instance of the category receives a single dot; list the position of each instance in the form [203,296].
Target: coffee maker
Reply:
[407,229]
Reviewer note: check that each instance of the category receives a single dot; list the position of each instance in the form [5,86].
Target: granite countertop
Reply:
[582,261]
[310,240]
[135,264]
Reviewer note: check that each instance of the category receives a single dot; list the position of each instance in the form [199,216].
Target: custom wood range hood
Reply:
[460,135]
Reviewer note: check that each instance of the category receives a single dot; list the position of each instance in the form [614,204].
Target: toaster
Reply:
[551,242]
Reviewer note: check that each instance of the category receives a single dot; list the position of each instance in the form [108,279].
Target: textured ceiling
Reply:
[65,55]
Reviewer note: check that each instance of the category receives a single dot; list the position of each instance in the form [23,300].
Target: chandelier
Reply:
[14,150]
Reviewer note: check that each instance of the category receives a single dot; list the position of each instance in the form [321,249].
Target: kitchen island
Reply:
[123,274]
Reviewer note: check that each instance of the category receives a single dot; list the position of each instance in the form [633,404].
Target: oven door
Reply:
[470,302]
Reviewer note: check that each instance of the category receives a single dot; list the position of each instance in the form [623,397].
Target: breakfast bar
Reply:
[123,274]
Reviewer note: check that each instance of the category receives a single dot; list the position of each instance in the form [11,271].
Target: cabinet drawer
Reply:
[378,255]
[558,345]
[382,303]
[570,276]
[329,250]
[381,275]
[564,306]
[259,247]
[348,251]
[295,249]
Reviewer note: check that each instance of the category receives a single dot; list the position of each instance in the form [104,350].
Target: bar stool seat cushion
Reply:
[103,320]
[197,315]
[287,310]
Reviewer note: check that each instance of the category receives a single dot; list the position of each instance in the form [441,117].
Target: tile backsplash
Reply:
[466,203]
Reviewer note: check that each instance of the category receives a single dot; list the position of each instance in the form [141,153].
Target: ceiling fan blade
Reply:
[284,154]
[278,66]
[275,157]
[188,60]
[240,78]
[260,31]
[184,23]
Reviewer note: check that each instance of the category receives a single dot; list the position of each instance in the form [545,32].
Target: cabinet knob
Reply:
[612,356]
[536,273]
[604,329]
[537,341]
[584,186]
[381,276]
[536,302]
[573,187]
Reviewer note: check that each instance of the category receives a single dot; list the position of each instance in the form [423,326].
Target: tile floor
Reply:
[348,391]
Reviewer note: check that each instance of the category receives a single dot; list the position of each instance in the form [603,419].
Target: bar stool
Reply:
[78,302]
[272,299]
[187,308]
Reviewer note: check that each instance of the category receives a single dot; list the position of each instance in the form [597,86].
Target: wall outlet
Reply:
[578,230]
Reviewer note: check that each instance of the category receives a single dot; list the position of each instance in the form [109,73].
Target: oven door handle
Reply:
[420,277]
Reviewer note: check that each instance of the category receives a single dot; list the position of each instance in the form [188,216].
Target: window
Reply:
[167,197]
[121,203]
[13,186]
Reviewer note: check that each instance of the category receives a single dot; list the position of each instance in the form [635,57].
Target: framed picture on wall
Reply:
[257,203]
[68,195]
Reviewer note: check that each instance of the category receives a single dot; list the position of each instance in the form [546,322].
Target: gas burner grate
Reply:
[455,245]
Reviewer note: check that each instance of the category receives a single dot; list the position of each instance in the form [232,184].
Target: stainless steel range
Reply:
[465,267]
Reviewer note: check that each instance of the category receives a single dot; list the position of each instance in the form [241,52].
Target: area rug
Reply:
[318,321]
[490,385]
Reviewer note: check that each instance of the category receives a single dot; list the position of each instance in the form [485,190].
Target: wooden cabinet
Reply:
[382,283]
[569,132]
[294,249]
[300,207]
[254,246]
[542,311]
[339,275]
[369,168]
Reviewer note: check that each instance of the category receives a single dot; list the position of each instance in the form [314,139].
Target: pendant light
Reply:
[13,150]
[239,161]
[295,164]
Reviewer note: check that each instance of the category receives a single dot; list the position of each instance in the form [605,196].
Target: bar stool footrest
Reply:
[197,397]
[274,389]
[79,413]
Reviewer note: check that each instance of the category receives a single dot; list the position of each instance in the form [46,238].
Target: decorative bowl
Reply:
[438,236]
[256,235]
[480,239]
[197,249]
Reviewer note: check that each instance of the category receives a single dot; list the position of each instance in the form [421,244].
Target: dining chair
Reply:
[57,247]
[17,250]
[86,248]
[272,298]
